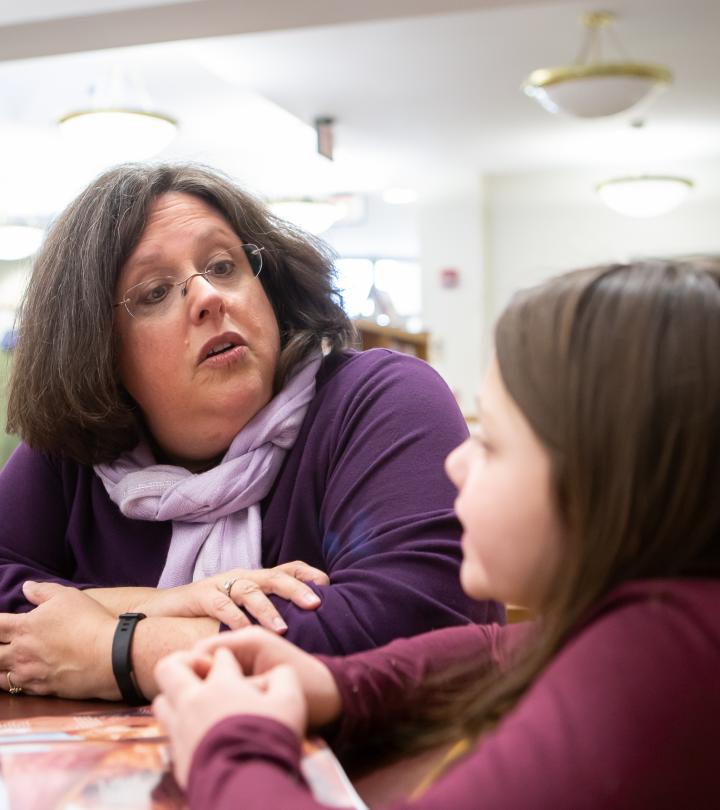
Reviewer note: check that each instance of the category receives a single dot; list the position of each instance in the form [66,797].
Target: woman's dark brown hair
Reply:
[65,396]
[616,370]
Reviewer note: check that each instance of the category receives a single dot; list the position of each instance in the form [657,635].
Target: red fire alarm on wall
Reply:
[449,278]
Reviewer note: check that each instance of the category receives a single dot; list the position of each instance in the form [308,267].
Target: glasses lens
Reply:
[151,297]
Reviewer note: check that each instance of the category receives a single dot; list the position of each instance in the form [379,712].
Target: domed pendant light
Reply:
[119,135]
[120,123]
[645,195]
[593,86]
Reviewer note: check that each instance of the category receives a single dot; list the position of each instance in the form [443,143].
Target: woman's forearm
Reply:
[121,600]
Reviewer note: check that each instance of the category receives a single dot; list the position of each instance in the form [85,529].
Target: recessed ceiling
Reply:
[420,100]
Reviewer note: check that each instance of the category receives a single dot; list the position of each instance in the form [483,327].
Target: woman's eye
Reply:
[154,292]
[222,269]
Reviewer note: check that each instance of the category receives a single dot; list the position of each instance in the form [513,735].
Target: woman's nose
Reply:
[203,298]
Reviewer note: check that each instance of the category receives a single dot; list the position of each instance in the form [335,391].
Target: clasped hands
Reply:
[251,672]
[62,646]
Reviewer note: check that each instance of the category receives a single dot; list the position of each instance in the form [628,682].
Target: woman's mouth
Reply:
[222,349]
[219,349]
[225,357]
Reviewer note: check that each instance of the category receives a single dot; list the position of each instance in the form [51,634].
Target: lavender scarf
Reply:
[215,515]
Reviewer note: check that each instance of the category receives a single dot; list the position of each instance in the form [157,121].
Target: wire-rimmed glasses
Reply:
[226,271]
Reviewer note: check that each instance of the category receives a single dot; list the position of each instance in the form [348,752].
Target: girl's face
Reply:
[511,538]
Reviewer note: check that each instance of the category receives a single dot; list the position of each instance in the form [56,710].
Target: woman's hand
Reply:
[258,652]
[193,701]
[62,647]
[248,592]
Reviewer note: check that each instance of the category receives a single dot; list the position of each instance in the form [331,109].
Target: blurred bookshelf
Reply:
[372,335]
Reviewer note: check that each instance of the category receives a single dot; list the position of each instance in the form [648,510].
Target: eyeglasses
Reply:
[225,271]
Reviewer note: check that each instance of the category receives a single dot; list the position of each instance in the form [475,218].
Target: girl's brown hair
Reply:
[616,370]
[65,395]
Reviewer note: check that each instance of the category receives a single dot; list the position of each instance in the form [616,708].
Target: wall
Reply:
[452,236]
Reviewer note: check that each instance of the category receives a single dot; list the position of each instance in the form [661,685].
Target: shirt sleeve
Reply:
[32,527]
[390,538]
[380,687]
[626,716]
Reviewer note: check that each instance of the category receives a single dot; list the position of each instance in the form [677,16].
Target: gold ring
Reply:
[227,586]
[14,690]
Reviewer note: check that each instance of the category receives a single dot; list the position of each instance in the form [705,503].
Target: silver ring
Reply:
[14,690]
[227,586]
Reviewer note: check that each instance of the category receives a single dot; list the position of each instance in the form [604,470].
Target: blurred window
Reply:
[400,279]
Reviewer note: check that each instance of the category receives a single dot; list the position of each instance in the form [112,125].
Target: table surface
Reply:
[380,787]
[15,708]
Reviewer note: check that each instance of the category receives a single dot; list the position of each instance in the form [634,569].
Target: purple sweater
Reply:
[361,495]
[627,715]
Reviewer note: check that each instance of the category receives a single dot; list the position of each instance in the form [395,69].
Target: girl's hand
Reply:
[248,593]
[189,705]
[258,652]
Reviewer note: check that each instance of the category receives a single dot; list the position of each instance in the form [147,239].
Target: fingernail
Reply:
[279,625]
[311,599]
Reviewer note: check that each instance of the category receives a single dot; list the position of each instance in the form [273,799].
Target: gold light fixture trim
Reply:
[634,178]
[544,77]
[123,110]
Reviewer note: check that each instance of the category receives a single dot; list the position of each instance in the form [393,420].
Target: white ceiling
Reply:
[421,98]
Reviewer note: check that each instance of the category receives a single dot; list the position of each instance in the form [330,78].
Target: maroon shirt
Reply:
[361,495]
[627,715]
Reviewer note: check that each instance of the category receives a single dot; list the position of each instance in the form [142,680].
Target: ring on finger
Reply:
[14,689]
[227,586]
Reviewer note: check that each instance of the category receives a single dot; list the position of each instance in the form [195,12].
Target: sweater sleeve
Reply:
[380,687]
[626,716]
[390,538]
[32,527]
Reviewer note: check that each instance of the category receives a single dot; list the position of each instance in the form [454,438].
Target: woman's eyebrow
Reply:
[152,257]
[155,255]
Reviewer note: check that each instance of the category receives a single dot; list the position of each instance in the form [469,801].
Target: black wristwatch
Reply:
[121,660]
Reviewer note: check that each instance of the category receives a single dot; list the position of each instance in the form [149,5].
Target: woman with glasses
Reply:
[201,447]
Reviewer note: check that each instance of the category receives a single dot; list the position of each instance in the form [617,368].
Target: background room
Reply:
[442,185]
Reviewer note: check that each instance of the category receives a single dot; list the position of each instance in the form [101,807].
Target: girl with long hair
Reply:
[590,494]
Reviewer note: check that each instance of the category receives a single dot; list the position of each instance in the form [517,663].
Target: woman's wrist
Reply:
[156,637]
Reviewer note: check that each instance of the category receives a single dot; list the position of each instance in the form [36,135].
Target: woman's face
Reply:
[195,404]
[511,538]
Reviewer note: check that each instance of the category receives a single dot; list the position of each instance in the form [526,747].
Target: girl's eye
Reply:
[480,441]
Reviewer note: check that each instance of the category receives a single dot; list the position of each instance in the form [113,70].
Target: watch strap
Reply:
[121,658]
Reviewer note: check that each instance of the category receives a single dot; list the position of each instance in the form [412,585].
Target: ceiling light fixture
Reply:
[119,123]
[19,241]
[594,86]
[644,195]
[121,134]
